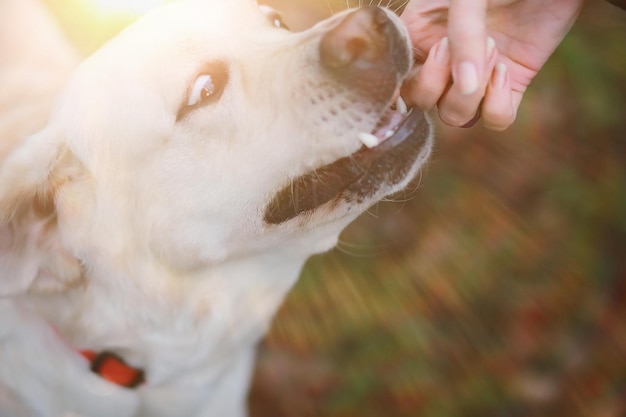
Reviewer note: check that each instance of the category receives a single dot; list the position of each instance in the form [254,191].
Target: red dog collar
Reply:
[113,368]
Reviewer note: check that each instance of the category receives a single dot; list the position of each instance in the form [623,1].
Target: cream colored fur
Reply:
[122,228]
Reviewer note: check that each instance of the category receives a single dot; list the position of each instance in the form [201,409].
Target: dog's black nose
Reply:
[366,51]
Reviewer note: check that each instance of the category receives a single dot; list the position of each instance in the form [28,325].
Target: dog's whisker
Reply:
[371,213]
[400,198]
[418,54]
[354,163]
[398,10]
[357,254]
[420,174]
[330,7]
[322,184]
[345,251]
[409,193]
[293,195]
[361,250]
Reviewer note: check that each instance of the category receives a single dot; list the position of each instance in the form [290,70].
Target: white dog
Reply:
[151,228]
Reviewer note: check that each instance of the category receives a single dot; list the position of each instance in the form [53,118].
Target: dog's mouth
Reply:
[387,156]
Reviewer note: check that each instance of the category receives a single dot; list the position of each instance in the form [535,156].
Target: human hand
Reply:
[482,54]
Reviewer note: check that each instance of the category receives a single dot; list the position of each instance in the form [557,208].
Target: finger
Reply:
[498,108]
[432,79]
[468,37]
[424,27]
[457,108]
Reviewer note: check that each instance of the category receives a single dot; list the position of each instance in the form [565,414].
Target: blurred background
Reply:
[495,286]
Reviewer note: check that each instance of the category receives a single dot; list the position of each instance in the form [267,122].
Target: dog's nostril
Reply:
[340,51]
[361,36]
[356,47]
[366,50]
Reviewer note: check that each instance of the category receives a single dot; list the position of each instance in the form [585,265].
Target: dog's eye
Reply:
[206,87]
[277,21]
[202,89]
[209,85]
[274,17]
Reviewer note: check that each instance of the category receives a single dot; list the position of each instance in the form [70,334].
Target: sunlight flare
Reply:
[125,6]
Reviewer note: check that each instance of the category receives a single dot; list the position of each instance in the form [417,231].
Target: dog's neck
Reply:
[158,323]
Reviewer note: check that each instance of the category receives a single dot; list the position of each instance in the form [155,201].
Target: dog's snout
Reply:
[358,40]
[365,50]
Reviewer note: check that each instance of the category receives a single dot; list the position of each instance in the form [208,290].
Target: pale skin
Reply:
[479,56]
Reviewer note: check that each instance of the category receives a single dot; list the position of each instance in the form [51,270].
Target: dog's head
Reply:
[207,130]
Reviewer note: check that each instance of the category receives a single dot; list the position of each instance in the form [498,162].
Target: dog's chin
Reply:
[362,177]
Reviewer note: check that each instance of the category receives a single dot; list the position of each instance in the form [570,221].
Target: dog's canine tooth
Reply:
[401,105]
[368,139]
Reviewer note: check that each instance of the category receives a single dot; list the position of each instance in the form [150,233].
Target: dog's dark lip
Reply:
[355,177]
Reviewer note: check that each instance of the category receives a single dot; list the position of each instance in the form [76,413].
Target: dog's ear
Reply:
[32,254]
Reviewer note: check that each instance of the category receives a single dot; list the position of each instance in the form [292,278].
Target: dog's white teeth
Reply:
[389,133]
[369,140]
[401,106]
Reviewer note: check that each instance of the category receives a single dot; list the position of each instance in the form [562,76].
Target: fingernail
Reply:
[499,75]
[467,77]
[491,45]
[442,56]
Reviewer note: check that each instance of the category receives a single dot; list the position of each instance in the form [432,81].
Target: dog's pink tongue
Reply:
[386,126]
